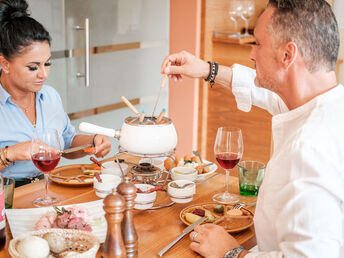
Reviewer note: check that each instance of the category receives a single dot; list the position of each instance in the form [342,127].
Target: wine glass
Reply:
[45,154]
[246,14]
[235,9]
[228,149]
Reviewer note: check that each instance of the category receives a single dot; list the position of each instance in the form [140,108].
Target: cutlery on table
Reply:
[96,162]
[196,153]
[204,166]
[202,180]
[185,231]
[162,206]
[76,148]
[69,178]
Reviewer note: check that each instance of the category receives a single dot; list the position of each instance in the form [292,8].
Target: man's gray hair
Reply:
[312,26]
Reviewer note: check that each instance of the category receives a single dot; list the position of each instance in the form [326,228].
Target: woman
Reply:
[26,103]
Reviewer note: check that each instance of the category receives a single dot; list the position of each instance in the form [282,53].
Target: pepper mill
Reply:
[114,205]
[128,191]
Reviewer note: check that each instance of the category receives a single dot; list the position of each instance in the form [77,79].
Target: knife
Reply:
[185,231]
[76,148]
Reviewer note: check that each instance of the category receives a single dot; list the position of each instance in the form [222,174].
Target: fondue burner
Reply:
[145,173]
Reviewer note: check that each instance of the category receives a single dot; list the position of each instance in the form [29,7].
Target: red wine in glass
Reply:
[227,160]
[46,162]
[45,154]
[228,149]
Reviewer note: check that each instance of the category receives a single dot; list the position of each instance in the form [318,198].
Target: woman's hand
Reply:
[211,241]
[102,145]
[19,152]
[185,64]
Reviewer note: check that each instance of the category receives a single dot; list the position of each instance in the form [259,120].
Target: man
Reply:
[300,204]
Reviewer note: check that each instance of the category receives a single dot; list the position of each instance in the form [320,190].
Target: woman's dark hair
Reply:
[312,25]
[17,29]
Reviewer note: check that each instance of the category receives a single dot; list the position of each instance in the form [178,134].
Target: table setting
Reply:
[159,196]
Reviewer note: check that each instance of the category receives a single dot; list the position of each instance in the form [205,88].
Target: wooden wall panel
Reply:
[217,106]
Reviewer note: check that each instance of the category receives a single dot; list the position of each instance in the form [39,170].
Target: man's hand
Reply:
[211,241]
[102,145]
[185,64]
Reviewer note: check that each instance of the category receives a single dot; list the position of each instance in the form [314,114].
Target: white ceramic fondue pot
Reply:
[139,138]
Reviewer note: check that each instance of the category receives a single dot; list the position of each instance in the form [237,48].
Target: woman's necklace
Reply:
[26,109]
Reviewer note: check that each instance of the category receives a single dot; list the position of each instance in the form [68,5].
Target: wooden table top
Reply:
[155,228]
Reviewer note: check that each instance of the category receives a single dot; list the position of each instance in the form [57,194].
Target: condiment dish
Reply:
[105,187]
[184,173]
[180,194]
[146,199]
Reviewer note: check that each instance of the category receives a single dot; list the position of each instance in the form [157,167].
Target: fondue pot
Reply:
[140,138]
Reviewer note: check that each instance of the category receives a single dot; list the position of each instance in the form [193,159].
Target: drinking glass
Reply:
[246,14]
[228,149]
[45,154]
[235,9]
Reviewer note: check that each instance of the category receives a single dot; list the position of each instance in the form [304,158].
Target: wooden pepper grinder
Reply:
[128,191]
[114,205]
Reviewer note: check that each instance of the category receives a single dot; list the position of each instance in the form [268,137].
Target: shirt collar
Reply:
[4,96]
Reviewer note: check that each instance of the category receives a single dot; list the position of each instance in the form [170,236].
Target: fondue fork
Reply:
[161,115]
[127,102]
[162,84]
[142,116]
[131,106]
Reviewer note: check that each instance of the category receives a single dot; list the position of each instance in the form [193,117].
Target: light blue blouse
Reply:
[15,127]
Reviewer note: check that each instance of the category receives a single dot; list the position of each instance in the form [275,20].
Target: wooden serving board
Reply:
[231,224]
[72,175]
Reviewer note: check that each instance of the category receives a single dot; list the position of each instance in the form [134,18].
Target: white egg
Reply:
[33,247]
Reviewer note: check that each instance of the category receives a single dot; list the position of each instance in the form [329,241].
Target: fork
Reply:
[238,206]
[242,204]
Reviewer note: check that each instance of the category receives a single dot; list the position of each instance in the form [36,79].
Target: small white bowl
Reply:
[158,162]
[184,173]
[144,201]
[181,195]
[112,168]
[109,182]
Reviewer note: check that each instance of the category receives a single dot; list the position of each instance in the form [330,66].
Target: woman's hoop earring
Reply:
[6,72]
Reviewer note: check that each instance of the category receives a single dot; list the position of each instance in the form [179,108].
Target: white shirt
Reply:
[300,204]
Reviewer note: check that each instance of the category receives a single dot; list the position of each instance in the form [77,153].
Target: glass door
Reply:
[127,41]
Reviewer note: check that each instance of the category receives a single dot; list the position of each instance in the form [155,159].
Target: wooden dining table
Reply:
[155,228]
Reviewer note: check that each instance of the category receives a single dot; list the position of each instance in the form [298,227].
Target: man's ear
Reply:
[5,65]
[289,54]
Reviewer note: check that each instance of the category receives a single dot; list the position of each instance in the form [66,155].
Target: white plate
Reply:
[213,168]
[24,220]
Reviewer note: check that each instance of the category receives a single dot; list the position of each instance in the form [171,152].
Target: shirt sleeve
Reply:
[310,224]
[247,94]
[68,133]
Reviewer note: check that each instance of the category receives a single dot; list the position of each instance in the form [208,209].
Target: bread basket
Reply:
[83,242]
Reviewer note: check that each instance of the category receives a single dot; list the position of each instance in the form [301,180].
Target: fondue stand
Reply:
[147,174]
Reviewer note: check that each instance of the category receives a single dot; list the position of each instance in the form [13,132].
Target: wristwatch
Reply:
[234,252]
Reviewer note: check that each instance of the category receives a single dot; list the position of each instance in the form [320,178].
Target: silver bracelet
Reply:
[234,252]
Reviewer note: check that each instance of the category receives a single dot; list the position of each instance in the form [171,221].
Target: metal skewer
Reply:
[162,84]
